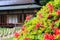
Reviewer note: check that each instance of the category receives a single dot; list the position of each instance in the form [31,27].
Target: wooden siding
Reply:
[21,15]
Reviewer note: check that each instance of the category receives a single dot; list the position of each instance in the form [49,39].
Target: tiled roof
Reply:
[20,7]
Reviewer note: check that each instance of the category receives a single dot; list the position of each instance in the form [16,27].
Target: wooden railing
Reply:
[10,24]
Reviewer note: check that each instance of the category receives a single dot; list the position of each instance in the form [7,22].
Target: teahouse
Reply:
[14,12]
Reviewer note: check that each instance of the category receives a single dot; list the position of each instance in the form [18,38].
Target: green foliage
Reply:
[42,2]
[47,20]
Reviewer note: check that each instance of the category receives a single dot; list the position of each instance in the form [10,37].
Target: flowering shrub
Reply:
[46,24]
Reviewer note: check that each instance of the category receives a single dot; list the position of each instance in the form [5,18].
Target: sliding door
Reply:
[12,19]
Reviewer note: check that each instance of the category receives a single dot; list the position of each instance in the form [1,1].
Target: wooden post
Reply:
[18,18]
[22,18]
[0,19]
[6,19]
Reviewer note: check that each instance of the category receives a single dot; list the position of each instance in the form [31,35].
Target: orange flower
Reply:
[40,15]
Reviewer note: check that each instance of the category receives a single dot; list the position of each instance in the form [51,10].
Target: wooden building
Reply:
[14,12]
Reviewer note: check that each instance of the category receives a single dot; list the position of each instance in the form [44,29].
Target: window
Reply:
[12,19]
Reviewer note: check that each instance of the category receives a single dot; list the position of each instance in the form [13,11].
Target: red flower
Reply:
[51,37]
[58,12]
[27,31]
[59,39]
[48,37]
[38,25]
[27,39]
[50,6]
[17,34]
[27,18]
[56,31]
[23,28]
